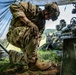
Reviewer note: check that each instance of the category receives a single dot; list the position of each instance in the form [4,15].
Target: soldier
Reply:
[26,28]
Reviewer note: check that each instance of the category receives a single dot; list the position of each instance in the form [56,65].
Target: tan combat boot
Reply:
[39,66]
[47,68]
[32,58]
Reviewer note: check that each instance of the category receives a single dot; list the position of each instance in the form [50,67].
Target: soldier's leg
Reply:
[16,37]
[30,52]
[22,38]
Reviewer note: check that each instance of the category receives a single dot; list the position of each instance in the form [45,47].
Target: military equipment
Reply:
[69,57]
[61,25]
[58,27]
[68,31]
[74,10]
[71,28]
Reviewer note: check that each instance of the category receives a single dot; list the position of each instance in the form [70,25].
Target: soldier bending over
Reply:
[27,26]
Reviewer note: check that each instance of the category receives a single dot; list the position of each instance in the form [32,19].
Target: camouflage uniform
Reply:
[27,35]
[23,35]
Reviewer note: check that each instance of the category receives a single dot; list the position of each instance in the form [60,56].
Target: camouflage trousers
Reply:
[25,38]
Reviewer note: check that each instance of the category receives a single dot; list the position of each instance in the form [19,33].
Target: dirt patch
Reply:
[25,71]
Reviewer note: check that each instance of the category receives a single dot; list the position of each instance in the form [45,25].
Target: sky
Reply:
[65,13]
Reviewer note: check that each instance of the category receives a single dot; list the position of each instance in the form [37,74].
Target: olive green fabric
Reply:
[26,35]
[16,57]
[30,11]
[19,36]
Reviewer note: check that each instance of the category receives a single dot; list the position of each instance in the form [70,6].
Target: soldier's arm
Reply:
[18,12]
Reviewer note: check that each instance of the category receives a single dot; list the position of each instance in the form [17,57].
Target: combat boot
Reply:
[39,66]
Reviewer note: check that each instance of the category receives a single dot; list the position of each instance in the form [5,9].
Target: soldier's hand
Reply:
[29,23]
[34,29]
[33,26]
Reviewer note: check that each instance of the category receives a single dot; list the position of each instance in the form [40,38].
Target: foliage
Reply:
[4,64]
[49,56]
[47,31]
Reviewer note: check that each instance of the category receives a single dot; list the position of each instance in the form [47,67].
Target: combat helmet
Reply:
[53,9]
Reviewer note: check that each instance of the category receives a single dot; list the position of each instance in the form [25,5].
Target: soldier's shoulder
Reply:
[23,3]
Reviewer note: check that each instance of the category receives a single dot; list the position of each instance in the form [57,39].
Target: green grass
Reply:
[44,56]
[48,56]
